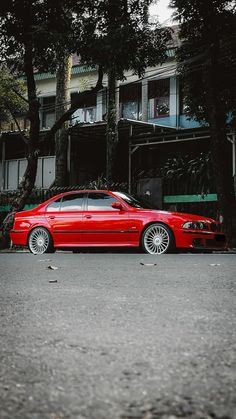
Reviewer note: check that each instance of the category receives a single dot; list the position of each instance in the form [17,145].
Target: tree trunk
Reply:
[62,105]
[29,177]
[220,159]
[112,128]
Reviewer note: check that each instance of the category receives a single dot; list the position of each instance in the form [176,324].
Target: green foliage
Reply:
[43,24]
[11,92]
[207,53]
[107,33]
[116,34]
[187,174]
[184,174]
[103,183]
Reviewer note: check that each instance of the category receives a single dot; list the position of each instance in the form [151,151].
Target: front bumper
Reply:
[201,240]
[216,242]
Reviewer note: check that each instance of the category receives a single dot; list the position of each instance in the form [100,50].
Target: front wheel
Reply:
[157,239]
[40,241]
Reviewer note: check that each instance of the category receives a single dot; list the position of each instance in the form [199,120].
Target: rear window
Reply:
[72,202]
[54,205]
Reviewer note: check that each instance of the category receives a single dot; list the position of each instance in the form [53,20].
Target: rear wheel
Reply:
[40,241]
[157,239]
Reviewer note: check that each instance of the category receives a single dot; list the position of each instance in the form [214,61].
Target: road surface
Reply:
[120,335]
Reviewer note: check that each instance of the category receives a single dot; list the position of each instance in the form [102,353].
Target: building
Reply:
[152,127]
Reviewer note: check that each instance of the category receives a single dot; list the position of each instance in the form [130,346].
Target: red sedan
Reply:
[105,218]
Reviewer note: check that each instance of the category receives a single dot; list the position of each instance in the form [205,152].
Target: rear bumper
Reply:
[19,237]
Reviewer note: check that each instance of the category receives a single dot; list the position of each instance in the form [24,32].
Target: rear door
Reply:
[65,222]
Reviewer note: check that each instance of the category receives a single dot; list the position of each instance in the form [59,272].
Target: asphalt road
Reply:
[118,336]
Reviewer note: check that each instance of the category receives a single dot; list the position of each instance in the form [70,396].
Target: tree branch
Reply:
[20,95]
[24,138]
[66,116]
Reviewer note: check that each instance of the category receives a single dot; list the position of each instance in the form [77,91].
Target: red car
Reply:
[105,218]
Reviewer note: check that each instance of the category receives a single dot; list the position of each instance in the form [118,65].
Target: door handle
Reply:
[51,217]
[87,216]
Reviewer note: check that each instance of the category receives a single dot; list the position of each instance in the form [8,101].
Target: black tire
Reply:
[157,239]
[40,241]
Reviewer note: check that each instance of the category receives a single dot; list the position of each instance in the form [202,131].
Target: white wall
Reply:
[14,170]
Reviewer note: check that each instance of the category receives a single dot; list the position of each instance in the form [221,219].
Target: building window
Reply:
[83,115]
[131,110]
[159,98]
[89,114]
[130,101]
[86,111]
[182,98]
[48,111]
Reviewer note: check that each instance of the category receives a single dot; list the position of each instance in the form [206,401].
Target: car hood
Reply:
[193,217]
[181,215]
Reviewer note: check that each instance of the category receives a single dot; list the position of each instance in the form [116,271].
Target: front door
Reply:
[104,225]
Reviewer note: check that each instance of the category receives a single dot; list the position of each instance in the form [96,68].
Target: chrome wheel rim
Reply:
[38,241]
[156,240]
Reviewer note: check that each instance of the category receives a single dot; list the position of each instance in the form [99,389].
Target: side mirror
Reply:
[117,205]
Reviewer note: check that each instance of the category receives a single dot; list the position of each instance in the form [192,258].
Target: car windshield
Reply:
[135,202]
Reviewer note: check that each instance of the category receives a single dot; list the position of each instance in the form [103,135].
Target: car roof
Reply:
[84,190]
[59,195]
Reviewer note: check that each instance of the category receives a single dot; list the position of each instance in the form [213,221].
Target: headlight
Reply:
[196,225]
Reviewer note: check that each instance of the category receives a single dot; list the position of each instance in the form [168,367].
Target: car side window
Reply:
[54,205]
[98,201]
[72,202]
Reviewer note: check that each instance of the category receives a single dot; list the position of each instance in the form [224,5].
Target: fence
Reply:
[196,204]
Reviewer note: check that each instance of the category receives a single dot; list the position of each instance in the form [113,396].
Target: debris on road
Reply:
[148,264]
